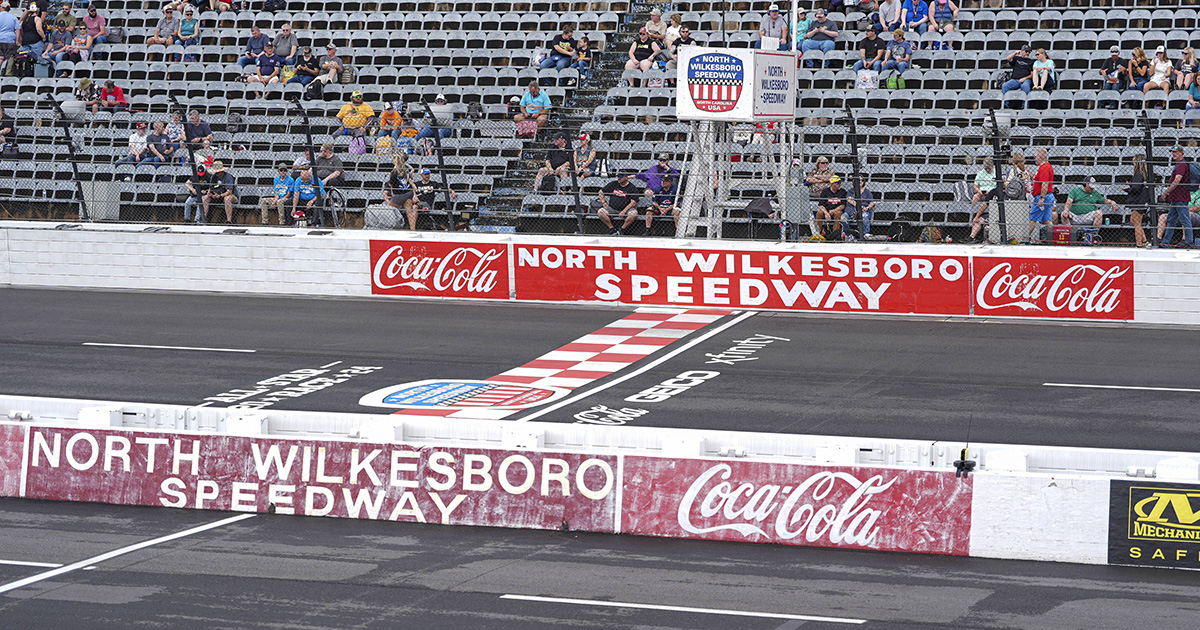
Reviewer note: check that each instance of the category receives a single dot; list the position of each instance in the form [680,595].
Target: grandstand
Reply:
[915,143]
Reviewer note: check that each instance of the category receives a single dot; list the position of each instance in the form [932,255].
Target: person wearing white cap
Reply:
[1082,205]
[390,122]
[443,117]
[1161,69]
[774,25]
[656,28]
[1115,73]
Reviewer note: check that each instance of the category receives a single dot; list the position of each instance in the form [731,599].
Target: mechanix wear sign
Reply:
[1154,524]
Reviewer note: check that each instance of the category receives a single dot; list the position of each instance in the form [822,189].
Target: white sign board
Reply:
[728,84]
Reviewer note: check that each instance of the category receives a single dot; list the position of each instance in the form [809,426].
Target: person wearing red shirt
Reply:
[112,98]
[1178,195]
[1041,212]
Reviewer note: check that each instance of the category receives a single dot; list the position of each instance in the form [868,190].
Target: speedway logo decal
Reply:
[715,81]
[461,394]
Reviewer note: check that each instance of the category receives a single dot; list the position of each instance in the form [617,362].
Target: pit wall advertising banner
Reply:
[818,506]
[1154,524]
[801,281]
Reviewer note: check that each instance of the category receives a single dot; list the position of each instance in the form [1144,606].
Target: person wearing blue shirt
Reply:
[270,67]
[915,16]
[256,47]
[866,199]
[284,188]
[307,188]
[9,25]
[535,105]
[899,54]
[663,201]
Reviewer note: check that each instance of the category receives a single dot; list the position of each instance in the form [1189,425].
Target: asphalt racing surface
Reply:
[904,378]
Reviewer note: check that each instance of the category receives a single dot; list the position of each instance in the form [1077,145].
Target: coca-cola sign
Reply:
[439,269]
[1049,287]
[847,507]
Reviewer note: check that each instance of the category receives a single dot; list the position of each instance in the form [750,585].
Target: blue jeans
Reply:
[920,28]
[582,67]
[59,57]
[133,159]
[898,66]
[302,79]
[244,61]
[1025,86]
[559,62]
[877,66]
[808,44]
[193,203]
[37,48]
[394,133]
[782,45]
[427,132]
[1178,214]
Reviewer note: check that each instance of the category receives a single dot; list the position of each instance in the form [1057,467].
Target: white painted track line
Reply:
[40,565]
[134,345]
[11,586]
[1132,387]
[686,609]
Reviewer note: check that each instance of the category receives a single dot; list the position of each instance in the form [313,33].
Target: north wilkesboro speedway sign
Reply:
[735,84]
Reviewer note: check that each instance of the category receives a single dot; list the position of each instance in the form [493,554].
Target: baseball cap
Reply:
[282,166]
[584,136]
[823,159]
[307,50]
[643,30]
[656,11]
[426,171]
[623,175]
[141,125]
[1091,181]
[388,106]
[1177,148]
[1160,49]
[1116,50]
[801,11]
[773,7]
[560,136]
[330,46]
[663,156]
[1026,48]
[835,179]
[440,97]
[356,94]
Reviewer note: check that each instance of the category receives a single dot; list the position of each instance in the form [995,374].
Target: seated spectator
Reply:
[830,209]
[822,35]
[915,16]
[1115,73]
[889,17]
[10,26]
[398,189]
[425,192]
[80,49]
[222,188]
[1081,207]
[330,169]
[801,27]
[331,65]
[871,51]
[685,39]
[138,147]
[444,118]
[859,196]
[390,122]
[1041,211]
[985,191]
[307,67]
[941,19]
[558,163]
[269,68]
[585,155]
[355,116]
[1185,71]
[88,93]
[1139,69]
[8,130]
[1044,77]
[642,52]
[198,132]
[774,25]
[1137,199]
[562,50]
[281,198]
[197,186]
[583,57]
[535,105]
[204,155]
[56,46]
[618,197]
[899,54]
[256,46]
[1193,92]
[218,6]
[112,98]
[653,175]
[159,144]
[306,192]
[164,33]
[287,45]
[188,33]
[655,27]
[663,202]
[817,179]
[1161,69]
[674,25]
[1021,76]
[65,18]
[97,27]
[33,30]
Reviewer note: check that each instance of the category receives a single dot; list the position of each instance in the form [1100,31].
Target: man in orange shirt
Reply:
[390,122]
[1041,212]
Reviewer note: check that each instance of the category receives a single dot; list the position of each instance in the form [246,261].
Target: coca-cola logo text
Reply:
[463,269]
[1081,288]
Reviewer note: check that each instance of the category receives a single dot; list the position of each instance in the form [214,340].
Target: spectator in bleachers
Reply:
[899,54]
[941,19]
[1044,77]
[888,18]
[65,18]
[1178,196]
[1082,205]
[188,33]
[674,24]
[443,129]
[197,187]
[9,27]
[774,25]
[535,105]
[138,147]
[198,131]
[331,65]
[1161,69]
[307,190]
[662,202]
[585,155]
[685,39]
[558,163]
[1021,75]
[655,27]
[97,26]
[652,176]
[88,93]
[269,67]
[1193,92]
[562,50]
[287,45]
[329,167]
[1185,71]
[617,197]
[204,155]
[56,46]
[33,30]
[80,49]
[860,196]
[8,129]
[583,57]
[390,122]
[398,189]
[218,6]
[256,46]
[985,191]
[175,131]
[307,67]
[830,209]
[1041,211]
[164,32]
[642,51]
[1139,69]
[222,187]
[915,16]
[803,22]
[1115,73]
[871,51]
[282,191]
[817,179]
[1019,181]
[159,144]
[425,192]
[112,98]
[1137,199]
[822,35]
[355,116]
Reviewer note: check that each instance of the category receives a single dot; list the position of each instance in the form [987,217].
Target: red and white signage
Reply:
[712,278]
[1054,287]
[439,269]
[847,507]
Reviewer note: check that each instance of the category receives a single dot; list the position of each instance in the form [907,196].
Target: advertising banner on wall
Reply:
[421,268]
[1053,287]
[819,506]
[1154,524]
